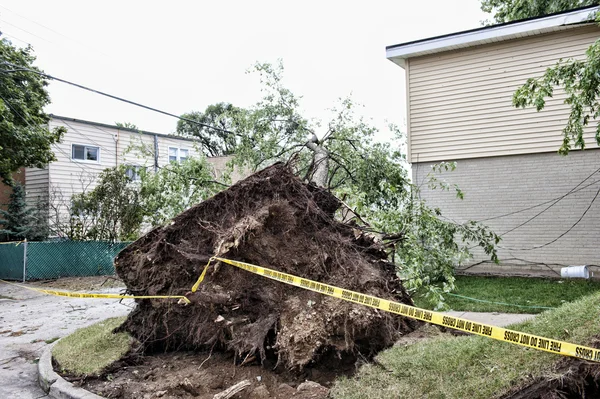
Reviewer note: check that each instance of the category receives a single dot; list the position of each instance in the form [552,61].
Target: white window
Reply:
[178,154]
[85,153]
[133,172]
[173,152]
[183,154]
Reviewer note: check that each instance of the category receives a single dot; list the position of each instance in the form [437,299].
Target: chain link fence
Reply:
[54,259]
[12,255]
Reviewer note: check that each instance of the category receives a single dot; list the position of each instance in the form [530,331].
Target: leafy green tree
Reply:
[25,140]
[512,10]
[579,79]
[175,188]
[112,211]
[20,221]
[213,142]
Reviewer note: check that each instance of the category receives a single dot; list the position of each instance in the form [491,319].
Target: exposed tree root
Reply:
[271,219]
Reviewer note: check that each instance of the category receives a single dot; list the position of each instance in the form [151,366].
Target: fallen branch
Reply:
[229,392]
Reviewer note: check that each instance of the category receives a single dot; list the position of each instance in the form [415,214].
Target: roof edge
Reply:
[106,125]
[507,30]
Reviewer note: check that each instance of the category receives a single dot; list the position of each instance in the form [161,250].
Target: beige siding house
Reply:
[459,108]
[88,148]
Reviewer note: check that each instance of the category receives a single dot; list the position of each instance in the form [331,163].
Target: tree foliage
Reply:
[175,188]
[426,246]
[344,156]
[110,212]
[579,79]
[512,10]
[25,140]
[213,142]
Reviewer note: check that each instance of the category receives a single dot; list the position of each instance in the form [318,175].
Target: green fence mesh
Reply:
[47,260]
[55,259]
[11,261]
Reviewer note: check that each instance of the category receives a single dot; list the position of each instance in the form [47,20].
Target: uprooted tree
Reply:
[307,217]
[271,218]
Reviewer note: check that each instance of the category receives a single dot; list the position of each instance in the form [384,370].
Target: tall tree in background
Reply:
[512,10]
[213,142]
[25,139]
[580,79]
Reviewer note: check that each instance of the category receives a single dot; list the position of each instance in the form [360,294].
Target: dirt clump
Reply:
[570,379]
[183,375]
[271,219]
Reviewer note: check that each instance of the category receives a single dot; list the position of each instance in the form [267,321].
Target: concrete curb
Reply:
[54,385]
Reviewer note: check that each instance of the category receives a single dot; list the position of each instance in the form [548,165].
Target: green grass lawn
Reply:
[523,291]
[89,350]
[471,367]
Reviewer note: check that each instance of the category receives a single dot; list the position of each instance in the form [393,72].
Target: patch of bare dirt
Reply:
[179,375]
[91,283]
[423,333]
[271,219]
[571,379]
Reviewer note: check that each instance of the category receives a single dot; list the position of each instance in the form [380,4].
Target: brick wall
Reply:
[501,185]
[6,191]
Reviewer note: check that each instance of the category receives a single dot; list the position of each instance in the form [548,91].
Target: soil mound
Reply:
[570,379]
[275,220]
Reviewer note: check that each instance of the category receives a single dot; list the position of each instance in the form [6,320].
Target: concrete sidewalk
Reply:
[495,319]
[29,319]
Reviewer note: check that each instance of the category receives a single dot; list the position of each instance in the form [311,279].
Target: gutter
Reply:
[400,52]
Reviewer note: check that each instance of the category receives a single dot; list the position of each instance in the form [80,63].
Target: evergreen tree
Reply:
[20,221]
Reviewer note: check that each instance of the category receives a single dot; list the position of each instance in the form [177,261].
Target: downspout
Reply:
[117,147]
[155,153]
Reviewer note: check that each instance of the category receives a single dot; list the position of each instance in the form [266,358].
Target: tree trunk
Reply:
[320,167]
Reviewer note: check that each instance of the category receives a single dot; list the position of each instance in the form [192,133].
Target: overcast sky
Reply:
[182,56]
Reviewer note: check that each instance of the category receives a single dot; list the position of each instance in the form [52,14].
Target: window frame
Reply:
[85,146]
[136,172]
[178,154]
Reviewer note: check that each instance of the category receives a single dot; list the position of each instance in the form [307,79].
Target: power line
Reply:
[29,125]
[52,30]
[562,234]
[90,139]
[575,189]
[26,31]
[81,165]
[557,199]
[20,68]
[15,38]
[551,205]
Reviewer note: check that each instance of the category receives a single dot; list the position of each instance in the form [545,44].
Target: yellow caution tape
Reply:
[457,323]
[91,295]
[201,278]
